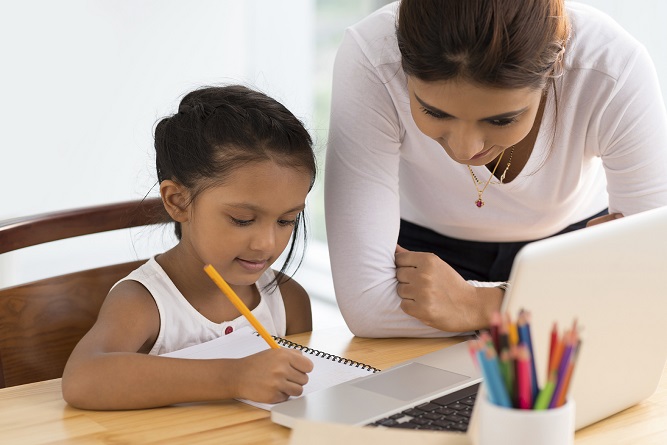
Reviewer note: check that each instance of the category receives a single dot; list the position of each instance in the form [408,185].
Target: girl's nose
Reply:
[264,240]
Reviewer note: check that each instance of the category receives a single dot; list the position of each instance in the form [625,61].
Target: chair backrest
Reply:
[42,321]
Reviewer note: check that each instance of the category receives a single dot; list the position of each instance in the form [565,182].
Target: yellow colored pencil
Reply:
[236,301]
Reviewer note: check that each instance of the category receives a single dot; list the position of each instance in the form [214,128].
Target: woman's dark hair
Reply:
[219,129]
[493,43]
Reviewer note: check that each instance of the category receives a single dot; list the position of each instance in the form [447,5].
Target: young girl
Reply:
[234,168]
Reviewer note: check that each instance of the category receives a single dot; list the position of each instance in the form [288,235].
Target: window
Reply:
[84,82]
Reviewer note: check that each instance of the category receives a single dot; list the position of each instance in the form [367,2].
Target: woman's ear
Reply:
[175,198]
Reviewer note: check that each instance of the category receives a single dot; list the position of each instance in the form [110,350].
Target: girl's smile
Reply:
[253,266]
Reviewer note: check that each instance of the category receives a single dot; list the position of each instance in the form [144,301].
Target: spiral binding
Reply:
[325,355]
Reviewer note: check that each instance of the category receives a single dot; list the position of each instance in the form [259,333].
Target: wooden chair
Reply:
[42,321]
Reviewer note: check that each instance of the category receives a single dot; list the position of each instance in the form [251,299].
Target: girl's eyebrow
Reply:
[508,115]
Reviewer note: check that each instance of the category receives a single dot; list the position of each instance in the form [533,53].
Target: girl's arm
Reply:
[106,371]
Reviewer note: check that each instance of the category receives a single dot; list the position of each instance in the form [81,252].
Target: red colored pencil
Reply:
[552,346]
[525,399]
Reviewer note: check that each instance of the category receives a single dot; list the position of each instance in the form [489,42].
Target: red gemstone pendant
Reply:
[479,203]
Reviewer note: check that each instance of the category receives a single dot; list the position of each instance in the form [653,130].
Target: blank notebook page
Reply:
[328,370]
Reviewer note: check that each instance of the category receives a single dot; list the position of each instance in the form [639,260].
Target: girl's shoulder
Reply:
[131,291]
[144,280]
[131,294]
[129,310]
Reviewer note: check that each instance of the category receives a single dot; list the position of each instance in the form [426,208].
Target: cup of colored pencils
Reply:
[512,405]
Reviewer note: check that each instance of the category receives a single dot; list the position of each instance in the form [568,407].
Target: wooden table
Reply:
[36,413]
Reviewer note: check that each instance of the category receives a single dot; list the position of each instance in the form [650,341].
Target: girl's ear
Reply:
[175,198]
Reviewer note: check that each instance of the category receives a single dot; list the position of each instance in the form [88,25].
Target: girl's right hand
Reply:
[272,376]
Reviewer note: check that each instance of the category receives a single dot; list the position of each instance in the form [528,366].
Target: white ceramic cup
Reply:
[496,425]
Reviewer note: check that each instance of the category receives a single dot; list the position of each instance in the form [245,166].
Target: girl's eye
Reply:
[432,113]
[286,222]
[502,122]
[241,222]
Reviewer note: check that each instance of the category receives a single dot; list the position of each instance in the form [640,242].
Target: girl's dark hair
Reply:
[219,129]
[493,43]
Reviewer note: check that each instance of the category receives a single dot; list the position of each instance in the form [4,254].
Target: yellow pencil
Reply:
[236,301]
[512,330]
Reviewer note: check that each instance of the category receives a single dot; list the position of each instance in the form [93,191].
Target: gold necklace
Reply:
[509,162]
[480,202]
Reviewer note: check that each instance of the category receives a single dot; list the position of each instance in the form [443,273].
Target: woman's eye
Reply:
[241,222]
[502,122]
[432,113]
[286,222]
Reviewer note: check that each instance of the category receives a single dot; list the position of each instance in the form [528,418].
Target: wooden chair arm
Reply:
[28,231]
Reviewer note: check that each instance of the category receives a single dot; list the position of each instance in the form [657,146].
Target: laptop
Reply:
[610,277]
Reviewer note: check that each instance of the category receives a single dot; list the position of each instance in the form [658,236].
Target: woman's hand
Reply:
[437,295]
[604,219]
[272,376]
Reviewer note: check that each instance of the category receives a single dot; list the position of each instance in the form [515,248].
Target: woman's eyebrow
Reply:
[508,115]
[431,107]
[255,208]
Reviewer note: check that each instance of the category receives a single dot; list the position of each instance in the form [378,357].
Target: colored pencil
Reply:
[568,346]
[491,372]
[558,352]
[512,331]
[525,399]
[553,344]
[544,397]
[503,336]
[568,375]
[525,337]
[505,355]
[507,371]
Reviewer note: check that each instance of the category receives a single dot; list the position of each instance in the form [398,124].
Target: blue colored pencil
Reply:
[488,360]
[525,337]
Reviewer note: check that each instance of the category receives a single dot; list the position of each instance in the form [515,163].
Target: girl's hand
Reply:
[437,295]
[272,376]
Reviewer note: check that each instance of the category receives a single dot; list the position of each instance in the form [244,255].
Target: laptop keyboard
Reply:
[447,413]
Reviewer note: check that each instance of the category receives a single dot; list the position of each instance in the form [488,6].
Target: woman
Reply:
[460,131]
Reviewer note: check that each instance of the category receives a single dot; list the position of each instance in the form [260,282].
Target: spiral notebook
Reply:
[328,369]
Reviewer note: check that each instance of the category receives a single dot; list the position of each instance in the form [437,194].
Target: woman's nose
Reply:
[464,141]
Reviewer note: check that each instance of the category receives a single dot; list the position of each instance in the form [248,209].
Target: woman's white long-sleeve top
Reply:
[606,147]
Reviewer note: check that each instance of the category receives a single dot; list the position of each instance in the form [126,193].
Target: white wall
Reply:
[83,83]
[644,19]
